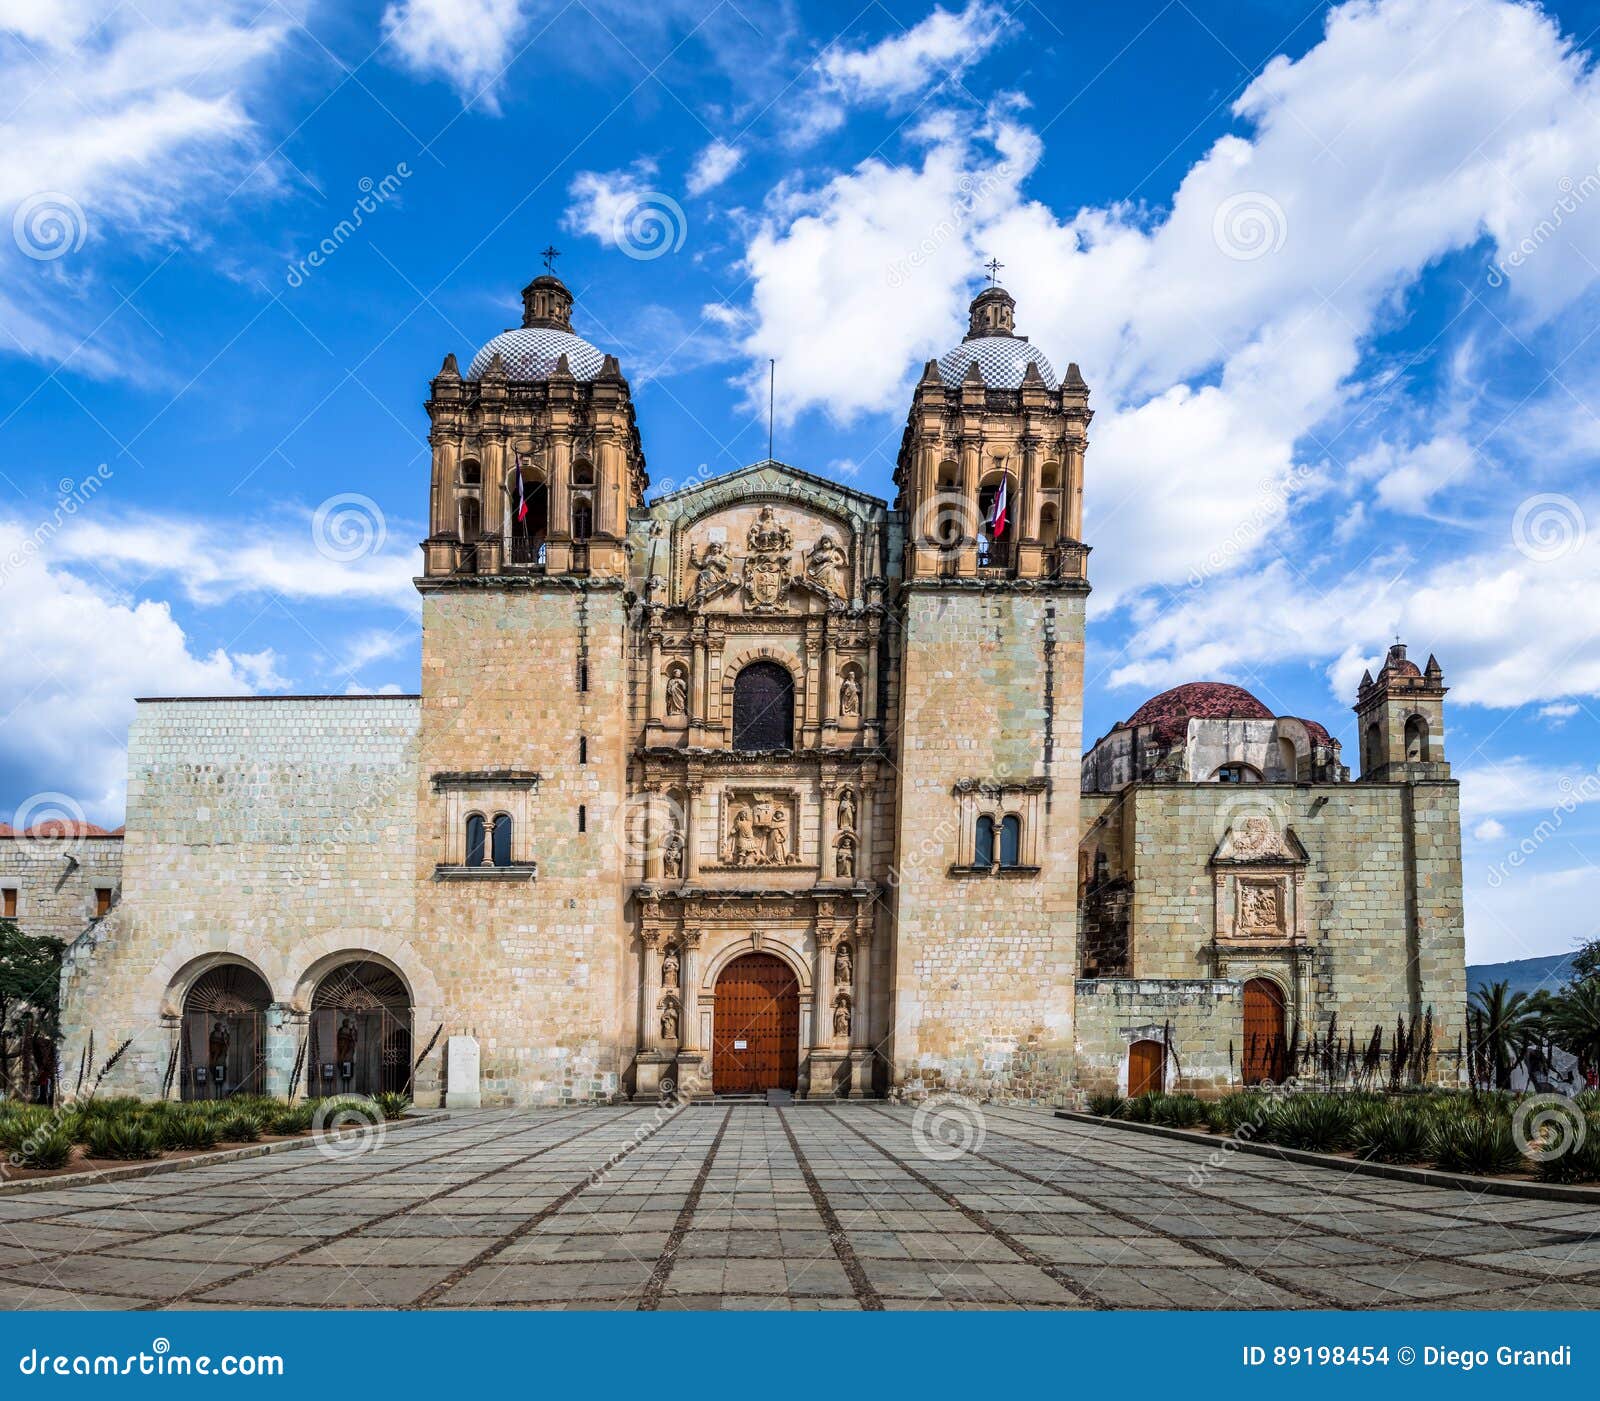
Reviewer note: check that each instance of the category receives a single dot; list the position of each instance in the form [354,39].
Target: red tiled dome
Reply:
[1205,700]
[57,827]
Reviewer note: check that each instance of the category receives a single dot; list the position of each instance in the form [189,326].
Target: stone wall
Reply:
[538,965]
[984,962]
[1381,892]
[56,878]
[280,834]
[1197,1019]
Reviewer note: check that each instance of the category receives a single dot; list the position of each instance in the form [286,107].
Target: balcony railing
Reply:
[525,550]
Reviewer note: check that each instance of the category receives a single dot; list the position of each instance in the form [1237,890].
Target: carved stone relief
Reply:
[760,830]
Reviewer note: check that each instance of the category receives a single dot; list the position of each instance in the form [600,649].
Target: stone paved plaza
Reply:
[810,1207]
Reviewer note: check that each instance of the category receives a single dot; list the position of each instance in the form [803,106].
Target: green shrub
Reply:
[50,1146]
[1177,1111]
[123,1136]
[1463,1139]
[1107,1106]
[1232,1112]
[393,1104]
[21,1125]
[1391,1133]
[1137,1109]
[1577,1164]
[238,1126]
[193,1127]
[293,1118]
[1318,1123]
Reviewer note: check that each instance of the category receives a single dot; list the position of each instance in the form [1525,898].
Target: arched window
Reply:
[949,476]
[501,841]
[528,510]
[471,519]
[1010,839]
[1417,740]
[1237,773]
[1373,757]
[582,518]
[471,472]
[475,831]
[983,842]
[582,474]
[1050,476]
[763,707]
[996,530]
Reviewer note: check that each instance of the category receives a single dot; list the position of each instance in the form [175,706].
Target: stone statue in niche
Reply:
[843,966]
[714,565]
[841,1016]
[844,859]
[1258,906]
[669,967]
[672,855]
[847,811]
[849,695]
[677,692]
[669,1019]
[825,566]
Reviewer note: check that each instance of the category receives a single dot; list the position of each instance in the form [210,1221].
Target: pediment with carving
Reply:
[764,560]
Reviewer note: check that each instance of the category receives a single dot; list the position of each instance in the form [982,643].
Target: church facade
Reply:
[761,784]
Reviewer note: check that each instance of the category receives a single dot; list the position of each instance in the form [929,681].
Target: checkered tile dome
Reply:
[1002,361]
[531,352]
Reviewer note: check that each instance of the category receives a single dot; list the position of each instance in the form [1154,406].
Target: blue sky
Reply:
[1331,273]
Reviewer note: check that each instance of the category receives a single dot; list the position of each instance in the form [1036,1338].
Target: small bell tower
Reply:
[1401,716]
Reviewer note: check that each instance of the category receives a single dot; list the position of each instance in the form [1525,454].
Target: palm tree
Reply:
[1504,1024]
[1575,1022]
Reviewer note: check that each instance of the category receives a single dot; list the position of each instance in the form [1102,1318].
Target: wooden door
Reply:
[755,1038]
[1264,1048]
[1147,1063]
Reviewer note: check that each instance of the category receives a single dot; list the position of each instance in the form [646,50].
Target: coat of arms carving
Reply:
[767,572]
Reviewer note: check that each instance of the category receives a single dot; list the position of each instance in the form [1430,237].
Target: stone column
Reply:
[826,815]
[822,1013]
[656,690]
[278,1047]
[862,1055]
[651,940]
[688,974]
[657,823]
[691,831]
[697,680]
[864,828]
[829,683]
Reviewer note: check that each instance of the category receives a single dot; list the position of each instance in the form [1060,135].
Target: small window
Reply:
[1237,773]
[582,519]
[471,473]
[983,845]
[583,676]
[475,840]
[1010,840]
[102,901]
[583,818]
[583,749]
[500,842]
[8,903]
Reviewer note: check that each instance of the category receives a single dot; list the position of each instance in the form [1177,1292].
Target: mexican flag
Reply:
[997,516]
[522,493]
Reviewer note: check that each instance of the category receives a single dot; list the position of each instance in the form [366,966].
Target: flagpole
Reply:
[772,385]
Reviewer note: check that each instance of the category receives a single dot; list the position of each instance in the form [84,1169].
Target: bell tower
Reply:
[990,723]
[1401,717]
[536,453]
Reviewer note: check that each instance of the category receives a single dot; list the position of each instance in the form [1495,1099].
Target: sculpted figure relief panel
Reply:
[760,830]
[789,554]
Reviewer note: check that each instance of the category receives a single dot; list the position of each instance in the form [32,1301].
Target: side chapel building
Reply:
[763,783]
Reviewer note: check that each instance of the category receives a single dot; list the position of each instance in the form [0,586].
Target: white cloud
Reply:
[1407,476]
[1559,712]
[1498,919]
[712,166]
[943,44]
[213,562]
[77,653]
[1488,831]
[468,43]
[604,202]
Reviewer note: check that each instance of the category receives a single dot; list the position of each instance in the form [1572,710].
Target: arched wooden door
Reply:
[1147,1065]
[1265,1049]
[755,1035]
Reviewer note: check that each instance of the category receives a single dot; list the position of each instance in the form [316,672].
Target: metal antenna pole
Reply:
[772,382]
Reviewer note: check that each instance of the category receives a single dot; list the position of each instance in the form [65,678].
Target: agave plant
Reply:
[1319,1123]
[1464,1139]
[1178,1111]
[1390,1133]
[238,1126]
[49,1147]
[123,1137]
[1232,1112]
[1106,1105]
[393,1104]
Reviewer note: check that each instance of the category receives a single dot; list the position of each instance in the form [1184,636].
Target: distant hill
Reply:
[1524,974]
